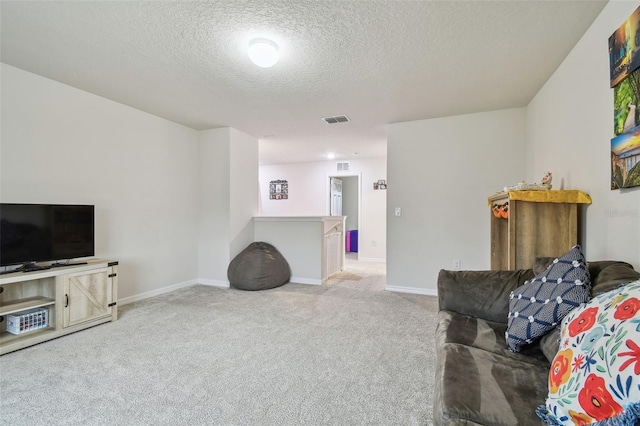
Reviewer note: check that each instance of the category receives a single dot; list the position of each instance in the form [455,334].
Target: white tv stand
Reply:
[77,297]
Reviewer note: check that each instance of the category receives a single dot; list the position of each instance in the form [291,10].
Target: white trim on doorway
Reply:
[342,175]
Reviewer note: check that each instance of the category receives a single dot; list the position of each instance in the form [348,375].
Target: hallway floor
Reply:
[372,275]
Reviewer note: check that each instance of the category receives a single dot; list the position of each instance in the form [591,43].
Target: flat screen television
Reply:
[45,232]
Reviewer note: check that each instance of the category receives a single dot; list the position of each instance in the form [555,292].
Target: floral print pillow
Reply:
[595,376]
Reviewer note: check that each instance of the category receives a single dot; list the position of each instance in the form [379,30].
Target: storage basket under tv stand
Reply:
[76,296]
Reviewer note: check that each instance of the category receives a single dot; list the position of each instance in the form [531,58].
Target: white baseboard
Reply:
[157,292]
[202,281]
[225,284]
[214,283]
[298,280]
[372,259]
[412,290]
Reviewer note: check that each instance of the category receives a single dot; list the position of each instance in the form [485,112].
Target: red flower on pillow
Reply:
[596,400]
[627,309]
[635,357]
[560,370]
[580,419]
[583,322]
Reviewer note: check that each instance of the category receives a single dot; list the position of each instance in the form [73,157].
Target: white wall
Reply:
[214,219]
[441,172]
[243,197]
[569,128]
[63,145]
[306,189]
[228,174]
[300,241]
[309,196]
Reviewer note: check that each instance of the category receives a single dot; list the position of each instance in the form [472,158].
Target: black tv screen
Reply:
[45,232]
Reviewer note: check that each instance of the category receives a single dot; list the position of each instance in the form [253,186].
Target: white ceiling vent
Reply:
[336,119]
[343,166]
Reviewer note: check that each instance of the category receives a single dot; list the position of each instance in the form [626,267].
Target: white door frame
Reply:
[333,183]
[327,197]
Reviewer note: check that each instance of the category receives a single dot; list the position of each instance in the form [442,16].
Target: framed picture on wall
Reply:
[624,63]
[626,97]
[624,49]
[625,160]
[278,190]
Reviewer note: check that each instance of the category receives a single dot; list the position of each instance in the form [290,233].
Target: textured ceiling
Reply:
[377,62]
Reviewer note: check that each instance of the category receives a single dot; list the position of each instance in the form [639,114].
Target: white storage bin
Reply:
[26,321]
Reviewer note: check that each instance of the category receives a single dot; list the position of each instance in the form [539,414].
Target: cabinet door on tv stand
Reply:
[88,296]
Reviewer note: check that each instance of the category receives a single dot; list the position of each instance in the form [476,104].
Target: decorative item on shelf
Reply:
[545,183]
[546,180]
[504,211]
[501,211]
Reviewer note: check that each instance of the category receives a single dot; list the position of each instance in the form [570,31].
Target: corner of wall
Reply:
[228,170]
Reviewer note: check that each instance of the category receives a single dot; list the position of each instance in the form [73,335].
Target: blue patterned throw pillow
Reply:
[539,305]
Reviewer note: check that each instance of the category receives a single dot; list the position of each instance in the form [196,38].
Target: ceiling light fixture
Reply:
[263,52]
[331,156]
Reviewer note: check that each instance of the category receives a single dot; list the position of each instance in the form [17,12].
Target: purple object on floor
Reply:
[352,242]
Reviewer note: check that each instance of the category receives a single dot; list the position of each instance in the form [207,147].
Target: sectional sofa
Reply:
[481,380]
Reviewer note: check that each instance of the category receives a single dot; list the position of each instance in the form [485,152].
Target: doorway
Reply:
[336,196]
[344,200]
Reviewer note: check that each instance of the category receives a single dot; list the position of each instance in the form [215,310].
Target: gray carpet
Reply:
[345,353]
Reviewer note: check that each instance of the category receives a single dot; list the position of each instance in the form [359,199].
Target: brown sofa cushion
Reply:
[480,294]
[550,343]
[478,387]
[541,263]
[605,274]
[612,275]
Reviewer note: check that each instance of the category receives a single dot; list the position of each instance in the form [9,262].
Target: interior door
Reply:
[336,197]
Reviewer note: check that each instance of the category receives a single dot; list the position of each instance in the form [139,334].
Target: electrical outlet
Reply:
[398,211]
[456,264]
[374,243]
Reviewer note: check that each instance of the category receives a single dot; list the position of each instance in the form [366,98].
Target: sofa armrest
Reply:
[607,275]
[480,294]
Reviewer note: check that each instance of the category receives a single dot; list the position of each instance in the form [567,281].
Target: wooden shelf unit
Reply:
[77,297]
[24,304]
[532,229]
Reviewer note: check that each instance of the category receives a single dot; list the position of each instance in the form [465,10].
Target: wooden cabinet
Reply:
[74,297]
[538,223]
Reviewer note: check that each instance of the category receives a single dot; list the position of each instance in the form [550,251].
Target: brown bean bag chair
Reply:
[258,267]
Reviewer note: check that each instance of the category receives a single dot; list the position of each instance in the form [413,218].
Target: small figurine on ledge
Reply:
[546,180]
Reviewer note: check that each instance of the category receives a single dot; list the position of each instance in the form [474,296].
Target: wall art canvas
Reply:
[624,49]
[625,160]
[626,96]
[278,190]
